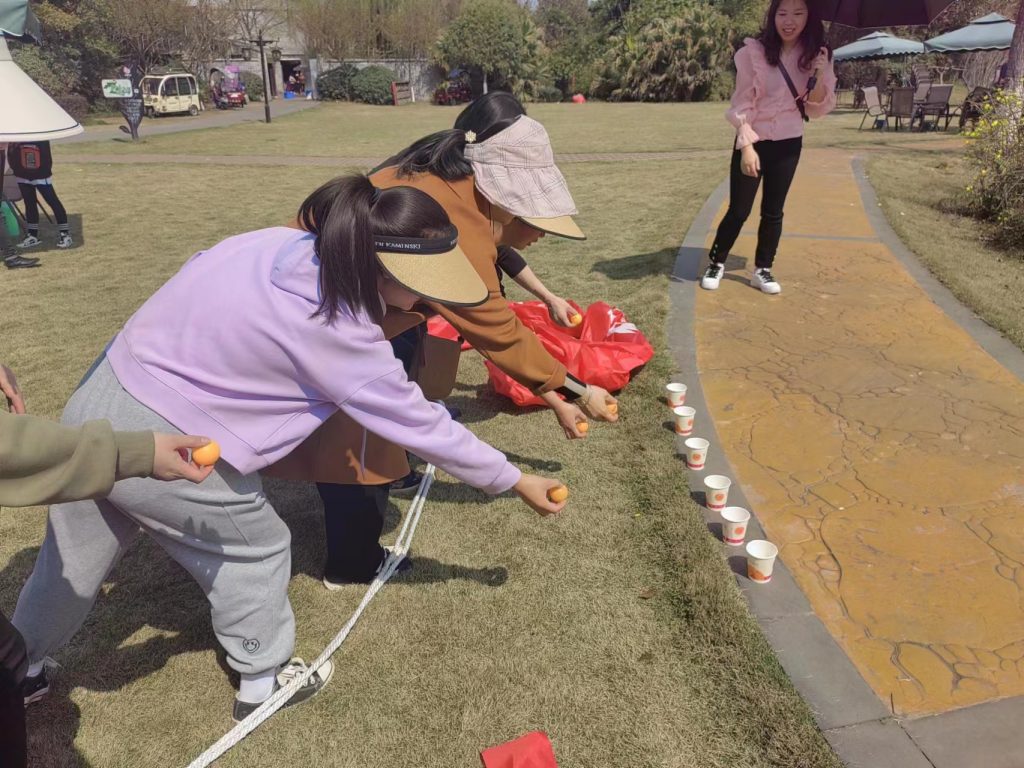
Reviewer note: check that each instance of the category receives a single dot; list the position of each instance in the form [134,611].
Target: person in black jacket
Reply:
[32,163]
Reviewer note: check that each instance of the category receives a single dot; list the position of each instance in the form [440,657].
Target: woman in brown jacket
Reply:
[494,167]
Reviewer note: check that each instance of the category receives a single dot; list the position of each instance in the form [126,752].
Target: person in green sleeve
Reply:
[43,462]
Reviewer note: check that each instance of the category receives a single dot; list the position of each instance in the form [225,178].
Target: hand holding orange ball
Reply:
[558,494]
[207,455]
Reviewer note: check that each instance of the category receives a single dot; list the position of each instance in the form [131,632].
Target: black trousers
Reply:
[49,194]
[779,160]
[13,665]
[354,514]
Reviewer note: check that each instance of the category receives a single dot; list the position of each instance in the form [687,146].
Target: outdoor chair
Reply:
[874,110]
[937,106]
[972,108]
[921,94]
[901,106]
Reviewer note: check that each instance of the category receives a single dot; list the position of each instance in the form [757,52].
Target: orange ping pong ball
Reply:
[559,494]
[613,408]
[206,455]
[576,319]
[583,427]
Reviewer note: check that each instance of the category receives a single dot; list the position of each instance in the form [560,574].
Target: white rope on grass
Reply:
[281,696]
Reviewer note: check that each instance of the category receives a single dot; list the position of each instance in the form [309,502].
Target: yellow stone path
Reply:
[881,448]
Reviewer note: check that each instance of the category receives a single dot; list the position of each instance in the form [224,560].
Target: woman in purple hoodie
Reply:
[255,342]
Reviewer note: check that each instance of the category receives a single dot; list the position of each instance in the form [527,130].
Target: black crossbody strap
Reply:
[793,90]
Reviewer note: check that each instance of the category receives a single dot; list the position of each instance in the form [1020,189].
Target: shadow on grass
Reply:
[640,265]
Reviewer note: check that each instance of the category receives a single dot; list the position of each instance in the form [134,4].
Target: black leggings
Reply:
[779,160]
[354,514]
[49,194]
[13,664]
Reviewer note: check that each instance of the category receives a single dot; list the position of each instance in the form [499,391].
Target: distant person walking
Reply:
[32,163]
[773,99]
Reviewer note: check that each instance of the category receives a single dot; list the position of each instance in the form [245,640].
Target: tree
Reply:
[492,36]
[147,32]
[572,37]
[668,59]
[1015,70]
[78,50]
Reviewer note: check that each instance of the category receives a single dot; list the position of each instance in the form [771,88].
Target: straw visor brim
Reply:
[447,278]
[563,226]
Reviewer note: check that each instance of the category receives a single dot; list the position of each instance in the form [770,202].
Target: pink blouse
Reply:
[763,107]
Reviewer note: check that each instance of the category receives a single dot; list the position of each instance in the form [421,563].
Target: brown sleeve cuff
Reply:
[134,454]
[556,380]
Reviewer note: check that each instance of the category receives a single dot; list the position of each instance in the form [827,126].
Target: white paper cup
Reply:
[684,419]
[696,452]
[676,394]
[761,560]
[716,491]
[735,521]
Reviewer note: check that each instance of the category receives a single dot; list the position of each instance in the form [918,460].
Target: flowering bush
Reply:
[996,148]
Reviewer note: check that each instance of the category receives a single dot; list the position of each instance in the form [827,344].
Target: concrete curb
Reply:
[858,725]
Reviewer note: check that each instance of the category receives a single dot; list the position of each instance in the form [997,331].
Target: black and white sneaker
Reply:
[762,278]
[293,669]
[712,276]
[36,687]
[333,583]
[408,485]
[30,242]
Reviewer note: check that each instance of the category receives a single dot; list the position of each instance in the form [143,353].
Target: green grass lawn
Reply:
[916,192]
[616,626]
[361,131]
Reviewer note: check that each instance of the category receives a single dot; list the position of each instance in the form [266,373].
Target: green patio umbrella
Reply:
[878,45]
[989,33]
[18,21]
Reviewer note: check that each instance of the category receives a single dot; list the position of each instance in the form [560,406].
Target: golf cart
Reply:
[170,94]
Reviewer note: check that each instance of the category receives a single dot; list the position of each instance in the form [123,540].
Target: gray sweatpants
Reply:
[222,531]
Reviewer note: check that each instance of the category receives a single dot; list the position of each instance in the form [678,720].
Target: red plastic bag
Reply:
[604,349]
[533,750]
[438,326]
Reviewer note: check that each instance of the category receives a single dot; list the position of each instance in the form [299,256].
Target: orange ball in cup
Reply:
[559,494]
[206,455]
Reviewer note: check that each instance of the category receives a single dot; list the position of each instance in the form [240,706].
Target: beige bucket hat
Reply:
[515,169]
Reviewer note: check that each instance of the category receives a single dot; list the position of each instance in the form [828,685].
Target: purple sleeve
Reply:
[394,408]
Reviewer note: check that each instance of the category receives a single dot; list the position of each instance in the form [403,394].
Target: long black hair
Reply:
[442,153]
[345,214]
[811,39]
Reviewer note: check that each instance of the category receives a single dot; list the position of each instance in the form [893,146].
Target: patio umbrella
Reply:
[989,33]
[27,113]
[17,20]
[878,45]
[868,14]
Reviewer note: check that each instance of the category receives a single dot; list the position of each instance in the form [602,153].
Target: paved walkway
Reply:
[209,118]
[880,444]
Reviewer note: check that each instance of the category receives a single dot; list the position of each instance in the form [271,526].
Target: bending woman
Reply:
[769,112]
[256,342]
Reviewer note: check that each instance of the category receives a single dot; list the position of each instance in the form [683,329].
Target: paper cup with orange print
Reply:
[735,521]
[761,560]
[684,419]
[696,452]
[676,394]
[716,491]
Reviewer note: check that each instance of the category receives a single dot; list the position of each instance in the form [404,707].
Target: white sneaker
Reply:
[762,278]
[293,669]
[30,242]
[712,277]
[64,240]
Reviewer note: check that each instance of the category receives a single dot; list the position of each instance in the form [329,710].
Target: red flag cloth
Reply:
[604,349]
[533,750]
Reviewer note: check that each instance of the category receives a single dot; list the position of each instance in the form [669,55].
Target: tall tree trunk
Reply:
[1015,72]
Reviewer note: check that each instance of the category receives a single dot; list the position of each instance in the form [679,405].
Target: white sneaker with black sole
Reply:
[293,669]
[762,278]
[712,276]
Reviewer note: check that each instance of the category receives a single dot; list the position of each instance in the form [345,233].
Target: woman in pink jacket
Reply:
[255,343]
[783,78]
